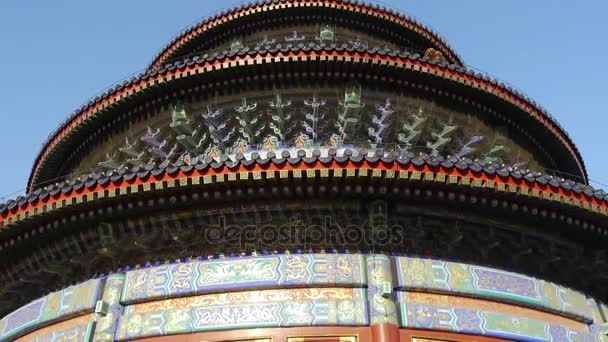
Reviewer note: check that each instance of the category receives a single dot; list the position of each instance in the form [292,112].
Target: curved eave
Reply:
[399,61]
[557,198]
[268,5]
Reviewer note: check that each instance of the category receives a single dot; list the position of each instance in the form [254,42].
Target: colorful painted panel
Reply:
[595,328]
[200,277]
[470,280]
[76,329]
[600,327]
[382,308]
[77,299]
[604,311]
[473,316]
[22,319]
[107,324]
[79,333]
[251,309]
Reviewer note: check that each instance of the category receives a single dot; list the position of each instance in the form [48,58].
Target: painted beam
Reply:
[259,272]
[76,329]
[249,309]
[69,302]
[306,290]
[429,275]
[473,316]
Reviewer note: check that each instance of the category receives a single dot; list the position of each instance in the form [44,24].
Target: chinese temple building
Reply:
[307,171]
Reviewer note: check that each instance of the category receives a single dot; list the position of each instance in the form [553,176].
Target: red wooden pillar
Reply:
[385,333]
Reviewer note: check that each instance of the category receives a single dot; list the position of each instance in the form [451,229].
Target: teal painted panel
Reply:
[23,319]
[219,275]
[604,311]
[382,308]
[107,325]
[69,302]
[596,328]
[482,282]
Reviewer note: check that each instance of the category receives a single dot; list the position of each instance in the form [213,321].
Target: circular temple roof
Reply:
[70,226]
[199,30]
[183,44]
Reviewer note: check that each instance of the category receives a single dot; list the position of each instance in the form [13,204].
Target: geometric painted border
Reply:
[69,302]
[430,275]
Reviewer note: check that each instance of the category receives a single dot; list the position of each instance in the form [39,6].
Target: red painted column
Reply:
[385,333]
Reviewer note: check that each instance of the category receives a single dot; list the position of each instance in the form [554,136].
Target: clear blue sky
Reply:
[55,55]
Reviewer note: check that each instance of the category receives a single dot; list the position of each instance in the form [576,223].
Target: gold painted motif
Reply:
[245,298]
[483,305]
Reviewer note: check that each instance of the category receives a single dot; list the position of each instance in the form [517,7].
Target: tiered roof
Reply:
[63,206]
